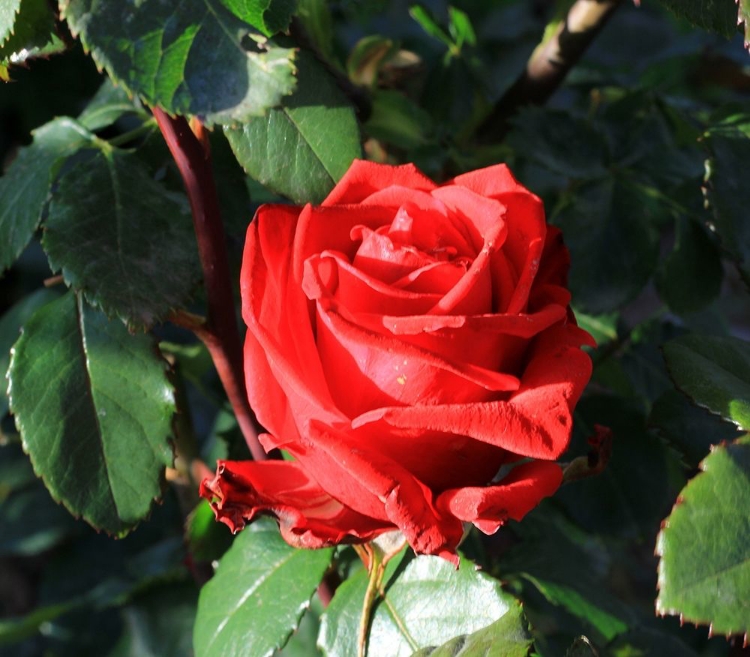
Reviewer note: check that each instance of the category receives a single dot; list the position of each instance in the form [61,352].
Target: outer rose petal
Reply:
[308,517]
[364,178]
[535,422]
[488,507]
[407,501]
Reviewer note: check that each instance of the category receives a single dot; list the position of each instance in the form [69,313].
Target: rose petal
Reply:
[330,276]
[535,422]
[282,370]
[308,517]
[407,502]
[330,229]
[439,460]
[364,178]
[491,342]
[365,370]
[488,507]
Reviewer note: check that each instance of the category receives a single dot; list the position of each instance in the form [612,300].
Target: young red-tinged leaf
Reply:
[704,545]
[94,408]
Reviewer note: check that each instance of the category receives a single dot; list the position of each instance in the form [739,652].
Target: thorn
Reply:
[682,620]
[710,630]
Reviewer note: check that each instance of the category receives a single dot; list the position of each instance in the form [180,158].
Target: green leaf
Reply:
[547,137]
[690,277]
[718,16]
[302,149]
[94,409]
[32,33]
[714,372]
[158,623]
[603,328]
[32,522]
[10,328]
[258,595]
[426,601]
[397,120]
[507,637]
[729,196]
[608,227]
[108,104]
[26,183]
[460,27]
[8,13]
[15,469]
[121,238]
[688,429]
[606,623]
[632,494]
[315,16]
[427,21]
[207,539]
[704,570]
[268,16]
[193,57]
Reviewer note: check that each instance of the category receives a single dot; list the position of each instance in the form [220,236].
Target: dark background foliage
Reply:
[641,158]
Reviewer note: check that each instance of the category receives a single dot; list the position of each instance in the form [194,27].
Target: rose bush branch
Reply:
[550,63]
[219,331]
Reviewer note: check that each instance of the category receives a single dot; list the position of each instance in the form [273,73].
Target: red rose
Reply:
[406,343]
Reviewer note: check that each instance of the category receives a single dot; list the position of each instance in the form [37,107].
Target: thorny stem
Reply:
[219,332]
[550,63]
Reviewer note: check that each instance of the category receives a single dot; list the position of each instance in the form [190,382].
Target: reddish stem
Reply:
[219,333]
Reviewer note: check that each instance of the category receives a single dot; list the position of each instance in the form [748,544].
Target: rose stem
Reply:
[373,584]
[550,63]
[219,332]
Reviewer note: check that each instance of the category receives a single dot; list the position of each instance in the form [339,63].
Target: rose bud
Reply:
[407,344]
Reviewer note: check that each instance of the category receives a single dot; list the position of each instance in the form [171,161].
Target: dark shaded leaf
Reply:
[714,372]
[690,277]
[207,539]
[108,104]
[258,595]
[302,149]
[718,16]
[609,229]
[729,195]
[194,57]
[692,431]
[632,494]
[397,120]
[26,183]
[97,428]
[704,571]
[559,141]
[121,238]
[159,623]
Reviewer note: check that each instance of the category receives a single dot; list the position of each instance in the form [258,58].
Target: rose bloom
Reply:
[412,347]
